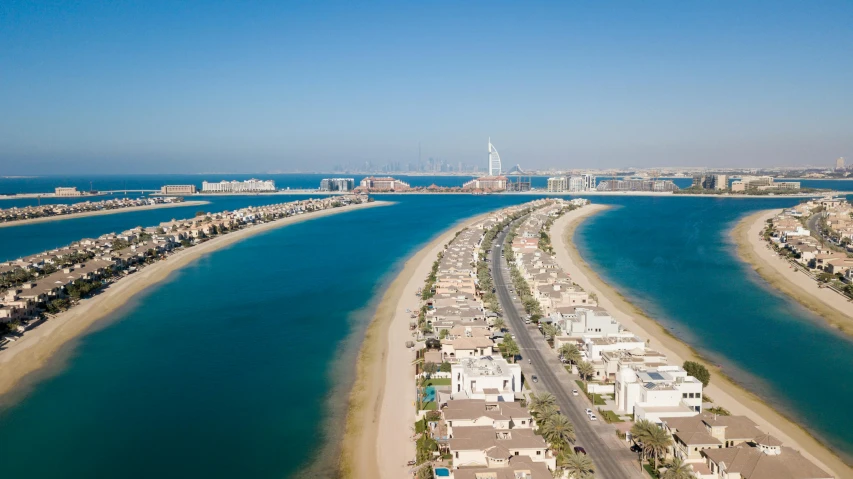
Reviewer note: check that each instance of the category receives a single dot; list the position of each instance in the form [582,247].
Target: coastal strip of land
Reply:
[113,211]
[35,348]
[378,436]
[724,392]
[831,306]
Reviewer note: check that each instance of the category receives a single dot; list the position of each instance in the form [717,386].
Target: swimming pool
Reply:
[442,472]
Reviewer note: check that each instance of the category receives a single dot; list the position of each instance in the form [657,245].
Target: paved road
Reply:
[813,226]
[613,459]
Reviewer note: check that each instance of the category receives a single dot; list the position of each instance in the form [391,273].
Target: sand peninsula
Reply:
[379,427]
[34,350]
[724,392]
[752,249]
[114,211]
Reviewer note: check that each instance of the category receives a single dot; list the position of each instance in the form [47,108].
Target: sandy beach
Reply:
[724,392]
[115,211]
[34,350]
[380,421]
[833,307]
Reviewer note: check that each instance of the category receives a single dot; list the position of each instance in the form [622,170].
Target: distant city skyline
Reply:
[158,88]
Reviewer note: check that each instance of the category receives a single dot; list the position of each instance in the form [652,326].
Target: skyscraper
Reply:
[494,160]
[839,164]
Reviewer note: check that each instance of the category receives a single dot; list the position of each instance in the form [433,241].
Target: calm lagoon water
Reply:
[229,368]
[675,260]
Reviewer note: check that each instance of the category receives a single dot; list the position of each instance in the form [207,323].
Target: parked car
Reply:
[579,450]
[636,448]
[588,411]
[592,417]
[535,379]
[574,392]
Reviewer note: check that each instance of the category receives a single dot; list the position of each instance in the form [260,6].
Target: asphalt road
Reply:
[613,459]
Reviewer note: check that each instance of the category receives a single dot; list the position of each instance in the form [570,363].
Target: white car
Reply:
[592,417]
[574,392]
[588,411]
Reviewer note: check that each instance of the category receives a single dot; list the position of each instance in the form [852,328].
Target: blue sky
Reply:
[278,86]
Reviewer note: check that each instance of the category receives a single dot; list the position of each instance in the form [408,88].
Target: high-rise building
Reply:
[557,184]
[337,184]
[839,164]
[579,183]
[588,182]
[494,161]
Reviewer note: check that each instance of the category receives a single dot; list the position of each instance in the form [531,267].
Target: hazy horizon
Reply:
[167,88]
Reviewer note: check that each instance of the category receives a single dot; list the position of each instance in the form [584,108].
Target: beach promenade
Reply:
[833,307]
[34,350]
[724,393]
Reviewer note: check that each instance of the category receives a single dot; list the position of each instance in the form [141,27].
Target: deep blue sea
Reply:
[233,366]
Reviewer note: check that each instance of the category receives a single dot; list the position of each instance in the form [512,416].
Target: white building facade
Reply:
[248,186]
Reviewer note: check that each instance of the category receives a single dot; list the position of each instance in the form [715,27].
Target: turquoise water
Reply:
[237,365]
[226,369]
[675,260]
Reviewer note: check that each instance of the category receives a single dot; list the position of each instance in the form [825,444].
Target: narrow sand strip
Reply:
[752,249]
[36,347]
[724,392]
[380,421]
[130,209]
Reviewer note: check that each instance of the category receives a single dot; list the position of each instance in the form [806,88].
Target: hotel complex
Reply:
[248,186]
[383,184]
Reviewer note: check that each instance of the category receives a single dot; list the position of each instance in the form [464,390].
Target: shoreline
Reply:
[381,413]
[36,348]
[752,250]
[130,209]
[722,389]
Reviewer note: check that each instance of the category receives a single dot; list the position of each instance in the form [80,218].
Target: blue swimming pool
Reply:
[442,472]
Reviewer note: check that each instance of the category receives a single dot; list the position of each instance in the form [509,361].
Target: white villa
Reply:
[486,378]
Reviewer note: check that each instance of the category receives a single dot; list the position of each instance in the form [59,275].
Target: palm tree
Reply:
[585,369]
[578,465]
[499,323]
[657,443]
[550,331]
[677,469]
[571,353]
[539,401]
[559,431]
[512,349]
[545,413]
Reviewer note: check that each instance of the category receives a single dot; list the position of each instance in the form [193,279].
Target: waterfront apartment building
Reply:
[558,184]
[489,183]
[635,184]
[248,186]
[69,191]
[178,190]
[710,182]
[383,184]
[575,183]
[337,184]
[762,183]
